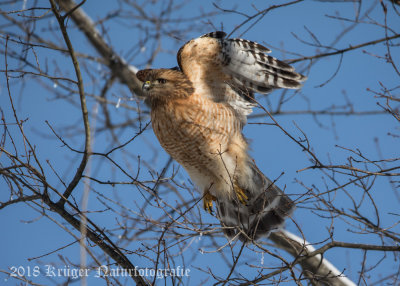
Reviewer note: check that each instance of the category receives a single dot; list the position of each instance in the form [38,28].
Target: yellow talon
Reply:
[240,194]
[208,201]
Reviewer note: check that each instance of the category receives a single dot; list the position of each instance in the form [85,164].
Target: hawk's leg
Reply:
[208,201]
[240,194]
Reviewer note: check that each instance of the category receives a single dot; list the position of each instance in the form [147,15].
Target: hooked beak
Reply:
[146,86]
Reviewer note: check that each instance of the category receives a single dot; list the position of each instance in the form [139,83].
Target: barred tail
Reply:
[265,211]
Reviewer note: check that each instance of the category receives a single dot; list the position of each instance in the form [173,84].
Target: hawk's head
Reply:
[164,84]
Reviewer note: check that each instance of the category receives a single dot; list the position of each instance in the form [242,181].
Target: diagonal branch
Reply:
[125,73]
[342,51]
[98,237]
[315,267]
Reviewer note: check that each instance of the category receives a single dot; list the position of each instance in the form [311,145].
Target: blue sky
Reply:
[28,234]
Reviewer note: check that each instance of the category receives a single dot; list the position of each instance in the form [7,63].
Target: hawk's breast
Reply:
[194,130]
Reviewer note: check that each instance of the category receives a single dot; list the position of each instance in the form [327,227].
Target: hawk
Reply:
[198,112]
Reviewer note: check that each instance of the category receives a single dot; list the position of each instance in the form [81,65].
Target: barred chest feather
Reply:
[205,138]
[179,128]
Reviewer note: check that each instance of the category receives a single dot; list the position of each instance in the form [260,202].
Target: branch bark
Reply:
[109,248]
[315,267]
[118,66]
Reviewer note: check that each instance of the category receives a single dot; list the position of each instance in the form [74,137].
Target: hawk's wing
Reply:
[231,70]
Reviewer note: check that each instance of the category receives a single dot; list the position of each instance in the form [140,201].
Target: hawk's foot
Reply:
[208,201]
[240,194]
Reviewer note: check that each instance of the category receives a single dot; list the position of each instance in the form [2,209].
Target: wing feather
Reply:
[232,70]
[243,60]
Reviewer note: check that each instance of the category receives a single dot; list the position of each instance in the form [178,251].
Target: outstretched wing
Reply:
[231,70]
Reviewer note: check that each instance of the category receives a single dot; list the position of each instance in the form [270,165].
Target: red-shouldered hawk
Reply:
[198,113]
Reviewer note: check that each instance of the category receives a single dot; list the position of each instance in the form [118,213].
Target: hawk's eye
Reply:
[161,80]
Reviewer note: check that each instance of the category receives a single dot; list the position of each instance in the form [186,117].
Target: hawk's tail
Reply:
[265,210]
